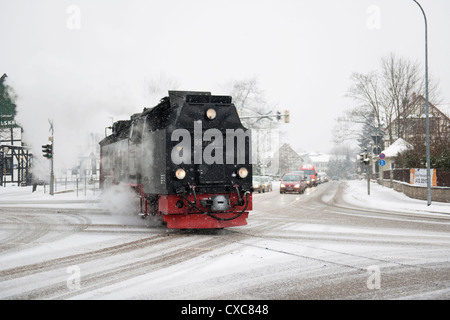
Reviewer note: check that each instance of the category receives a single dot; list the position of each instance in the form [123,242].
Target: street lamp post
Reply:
[427,119]
[52,175]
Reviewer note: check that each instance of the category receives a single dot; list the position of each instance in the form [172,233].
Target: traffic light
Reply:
[278,115]
[286,116]
[364,158]
[47,150]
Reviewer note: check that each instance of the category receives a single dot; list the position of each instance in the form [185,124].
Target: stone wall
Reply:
[439,194]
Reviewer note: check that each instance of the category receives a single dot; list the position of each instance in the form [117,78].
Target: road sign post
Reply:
[382,163]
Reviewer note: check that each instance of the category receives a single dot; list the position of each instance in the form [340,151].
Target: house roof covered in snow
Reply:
[398,146]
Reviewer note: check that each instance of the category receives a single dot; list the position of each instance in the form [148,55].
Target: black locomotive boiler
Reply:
[188,158]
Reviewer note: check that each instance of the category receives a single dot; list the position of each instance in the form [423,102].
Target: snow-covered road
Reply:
[333,242]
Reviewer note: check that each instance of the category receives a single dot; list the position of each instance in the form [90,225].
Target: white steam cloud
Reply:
[120,200]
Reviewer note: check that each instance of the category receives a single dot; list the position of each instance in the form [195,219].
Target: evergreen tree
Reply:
[7,105]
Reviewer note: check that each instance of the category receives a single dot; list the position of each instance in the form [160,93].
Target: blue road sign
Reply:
[382,162]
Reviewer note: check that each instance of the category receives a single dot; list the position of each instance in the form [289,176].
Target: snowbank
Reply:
[383,198]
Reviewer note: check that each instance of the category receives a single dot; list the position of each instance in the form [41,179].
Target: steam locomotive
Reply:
[188,159]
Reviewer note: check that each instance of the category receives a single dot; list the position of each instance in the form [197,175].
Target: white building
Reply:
[15,159]
[320,160]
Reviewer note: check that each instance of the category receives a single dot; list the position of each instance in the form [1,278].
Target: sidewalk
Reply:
[13,196]
[384,198]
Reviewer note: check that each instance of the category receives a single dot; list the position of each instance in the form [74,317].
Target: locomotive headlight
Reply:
[211,114]
[243,172]
[180,174]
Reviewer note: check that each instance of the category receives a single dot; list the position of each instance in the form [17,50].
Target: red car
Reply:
[292,182]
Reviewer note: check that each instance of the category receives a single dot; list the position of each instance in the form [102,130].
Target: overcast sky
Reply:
[82,62]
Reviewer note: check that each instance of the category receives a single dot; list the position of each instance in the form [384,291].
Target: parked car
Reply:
[292,182]
[257,185]
[323,177]
[262,184]
[267,184]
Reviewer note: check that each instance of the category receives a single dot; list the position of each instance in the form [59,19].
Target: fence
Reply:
[81,186]
[403,175]
[399,180]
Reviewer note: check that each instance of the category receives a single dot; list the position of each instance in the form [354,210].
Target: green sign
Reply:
[8,123]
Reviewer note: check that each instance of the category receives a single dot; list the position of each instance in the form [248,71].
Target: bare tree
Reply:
[367,91]
[401,78]
[358,122]
[246,94]
[252,106]
[158,85]
[250,101]
[382,96]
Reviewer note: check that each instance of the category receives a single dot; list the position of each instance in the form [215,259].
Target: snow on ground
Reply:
[355,193]
[384,198]
[24,196]
[214,273]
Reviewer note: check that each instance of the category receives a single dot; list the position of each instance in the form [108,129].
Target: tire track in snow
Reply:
[159,257]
